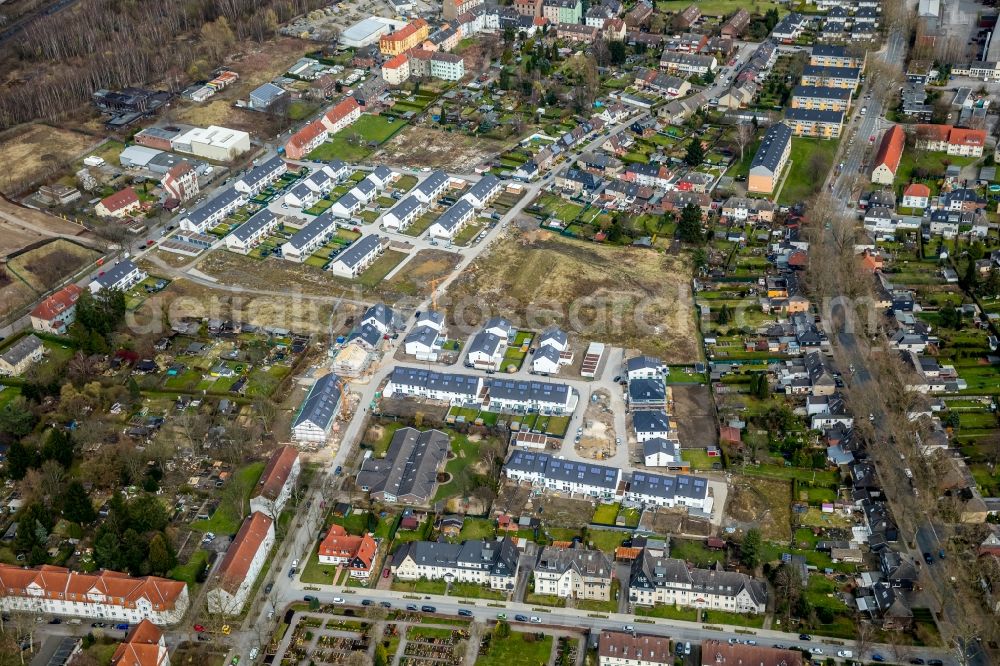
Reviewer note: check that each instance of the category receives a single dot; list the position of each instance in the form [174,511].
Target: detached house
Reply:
[277,482]
[492,563]
[21,355]
[57,312]
[889,154]
[242,564]
[357,553]
[574,573]
[120,204]
[656,580]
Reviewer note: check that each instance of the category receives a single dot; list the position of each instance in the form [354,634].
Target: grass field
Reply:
[36,150]
[800,183]
[518,650]
[605,514]
[225,520]
[474,591]
[381,267]
[617,291]
[720,7]
[46,266]
[668,612]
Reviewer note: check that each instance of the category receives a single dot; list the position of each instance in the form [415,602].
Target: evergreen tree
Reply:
[77,507]
[161,556]
[723,317]
[59,447]
[16,419]
[689,227]
[695,152]
[750,548]
[20,459]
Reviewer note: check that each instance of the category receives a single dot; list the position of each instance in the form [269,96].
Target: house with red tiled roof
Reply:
[357,553]
[306,140]
[871,261]
[119,204]
[144,646]
[105,595]
[57,312]
[277,482]
[243,563]
[916,195]
[952,140]
[890,151]
[341,115]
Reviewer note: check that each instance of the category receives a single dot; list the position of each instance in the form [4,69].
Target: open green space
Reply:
[225,520]
[422,586]
[381,267]
[605,514]
[518,649]
[808,157]
[668,612]
[474,591]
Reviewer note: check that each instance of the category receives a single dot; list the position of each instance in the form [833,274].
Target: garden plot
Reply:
[420,147]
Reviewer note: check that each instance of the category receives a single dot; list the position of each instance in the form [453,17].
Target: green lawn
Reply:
[605,540]
[699,458]
[422,586]
[373,128]
[189,572]
[339,148]
[605,514]
[474,591]
[225,520]
[417,633]
[381,267]
[477,528]
[380,446]
[737,619]
[668,612]
[518,650]
[544,600]
[800,184]
[466,454]
[421,224]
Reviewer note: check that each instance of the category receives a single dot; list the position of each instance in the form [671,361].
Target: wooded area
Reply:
[58,61]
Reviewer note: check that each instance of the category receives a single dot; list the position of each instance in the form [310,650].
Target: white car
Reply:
[816,650]
[338,600]
[295,563]
[253,653]
[628,627]
[845,654]
[535,619]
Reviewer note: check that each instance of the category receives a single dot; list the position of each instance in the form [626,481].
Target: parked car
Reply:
[122,627]
[309,597]
[464,612]
[199,628]
[687,647]
[385,604]
[928,558]
[366,602]
[411,607]
[877,657]
[253,653]
[845,654]
[428,609]
[338,600]
[918,661]
[268,588]
[520,618]
[805,637]
[535,619]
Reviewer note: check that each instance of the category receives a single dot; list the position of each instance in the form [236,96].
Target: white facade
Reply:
[447,69]
[121,276]
[274,507]
[231,601]
[220,144]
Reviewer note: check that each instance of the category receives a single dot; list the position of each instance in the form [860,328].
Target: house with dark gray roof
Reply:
[574,572]
[644,367]
[662,452]
[651,424]
[651,490]
[357,257]
[382,317]
[21,355]
[122,276]
[257,179]
[408,472]
[486,351]
[658,580]
[573,478]
[647,394]
[313,421]
[420,383]
[770,159]
[492,563]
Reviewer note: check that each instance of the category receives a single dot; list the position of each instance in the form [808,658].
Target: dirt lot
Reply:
[255,67]
[39,151]
[414,278]
[563,511]
[48,265]
[18,234]
[420,146]
[761,503]
[634,297]
[695,416]
[512,498]
[598,429]
[673,521]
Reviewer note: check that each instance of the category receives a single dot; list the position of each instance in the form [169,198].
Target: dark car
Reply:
[521,618]
[935,662]
[385,604]
[203,637]
[268,588]
[308,597]
[805,637]
[428,609]
[464,612]
[338,470]
[366,602]
[121,627]
[918,661]
[411,607]
[877,657]
[55,620]
[928,558]
[99,625]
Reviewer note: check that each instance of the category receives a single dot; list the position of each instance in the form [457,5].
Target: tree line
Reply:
[114,44]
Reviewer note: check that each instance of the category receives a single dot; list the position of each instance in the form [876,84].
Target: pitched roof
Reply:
[57,303]
[307,134]
[321,402]
[723,654]
[279,467]
[891,149]
[644,648]
[917,190]
[338,543]
[772,147]
[115,588]
[141,647]
[341,110]
[120,199]
[242,550]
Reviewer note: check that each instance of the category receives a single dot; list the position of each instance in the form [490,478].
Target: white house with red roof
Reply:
[143,646]
[119,205]
[105,595]
[916,195]
[243,563]
[57,312]
[357,553]
[341,115]
[277,482]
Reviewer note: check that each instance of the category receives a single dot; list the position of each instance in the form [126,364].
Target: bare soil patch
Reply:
[39,151]
[420,146]
[415,277]
[629,296]
[695,416]
[45,267]
[761,503]
[597,440]
[563,511]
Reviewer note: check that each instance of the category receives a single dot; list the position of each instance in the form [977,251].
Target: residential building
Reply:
[660,452]
[453,220]
[257,179]
[528,7]
[887,159]
[105,595]
[403,214]
[396,70]
[252,232]
[562,11]
[645,367]
[57,312]
[658,580]
[355,259]
[748,209]
[952,140]
[789,28]
[687,17]
[357,553]
[181,182]
[627,648]
[408,472]
[486,351]
[121,204]
[122,276]
[341,115]
[483,192]
[277,482]
[144,645]
[718,653]
[306,140]
[577,32]
[404,39]
[213,211]
[769,161]
[452,388]
[736,25]
[807,122]
[688,63]
[432,188]
[542,470]
[574,573]
[916,195]
[825,55]
[452,9]
[447,66]
[243,562]
[492,563]
[314,420]
[310,237]
[18,357]
[660,490]
[821,98]
[833,77]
